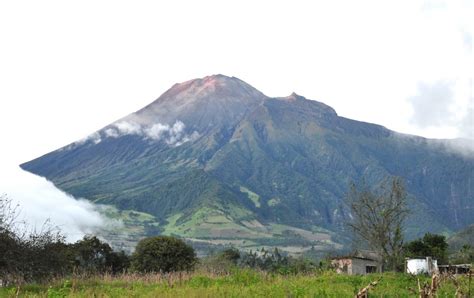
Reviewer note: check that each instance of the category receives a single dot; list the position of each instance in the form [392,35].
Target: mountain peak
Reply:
[293,96]
[216,79]
[217,84]
[202,103]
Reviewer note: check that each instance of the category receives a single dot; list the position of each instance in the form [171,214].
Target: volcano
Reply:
[216,161]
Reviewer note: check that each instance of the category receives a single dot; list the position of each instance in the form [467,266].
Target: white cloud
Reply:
[173,135]
[94,137]
[432,105]
[194,136]
[467,123]
[438,106]
[40,201]
[111,132]
[467,39]
[156,131]
[128,128]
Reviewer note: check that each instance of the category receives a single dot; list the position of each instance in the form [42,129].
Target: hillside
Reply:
[461,238]
[216,161]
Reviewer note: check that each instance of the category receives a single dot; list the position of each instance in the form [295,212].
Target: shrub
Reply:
[91,255]
[430,245]
[28,255]
[221,262]
[163,254]
[231,255]
[264,260]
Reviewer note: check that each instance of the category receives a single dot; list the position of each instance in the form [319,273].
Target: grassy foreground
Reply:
[240,283]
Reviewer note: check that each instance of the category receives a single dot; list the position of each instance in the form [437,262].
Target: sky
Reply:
[69,68]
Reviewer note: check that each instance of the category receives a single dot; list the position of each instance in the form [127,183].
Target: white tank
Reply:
[420,266]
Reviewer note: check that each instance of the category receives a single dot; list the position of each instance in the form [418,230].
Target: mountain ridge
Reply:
[214,159]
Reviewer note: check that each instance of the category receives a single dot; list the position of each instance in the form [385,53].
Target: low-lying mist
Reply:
[40,201]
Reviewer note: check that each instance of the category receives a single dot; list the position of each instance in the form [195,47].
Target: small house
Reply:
[355,265]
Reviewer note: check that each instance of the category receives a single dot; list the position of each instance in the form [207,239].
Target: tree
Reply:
[94,256]
[221,262]
[464,255]
[377,216]
[231,254]
[163,254]
[431,245]
[265,260]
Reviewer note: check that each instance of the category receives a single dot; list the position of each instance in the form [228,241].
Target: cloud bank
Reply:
[435,106]
[39,200]
[432,104]
[173,135]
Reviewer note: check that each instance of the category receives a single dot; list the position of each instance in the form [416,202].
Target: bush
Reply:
[222,262]
[163,254]
[464,256]
[94,256]
[264,260]
[35,256]
[10,255]
[430,245]
[26,254]
[230,254]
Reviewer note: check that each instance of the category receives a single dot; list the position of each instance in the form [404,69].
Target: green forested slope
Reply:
[256,170]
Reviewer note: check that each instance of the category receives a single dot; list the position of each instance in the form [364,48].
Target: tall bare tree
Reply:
[378,216]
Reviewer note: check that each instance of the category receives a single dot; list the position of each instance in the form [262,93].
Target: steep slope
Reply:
[215,160]
[461,238]
[309,155]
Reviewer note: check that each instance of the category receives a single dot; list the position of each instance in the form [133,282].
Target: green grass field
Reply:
[239,283]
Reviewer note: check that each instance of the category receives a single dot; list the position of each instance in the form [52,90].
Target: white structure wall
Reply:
[421,266]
